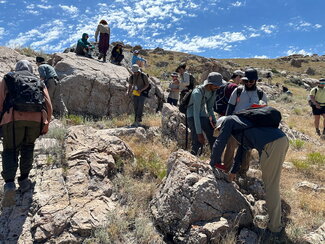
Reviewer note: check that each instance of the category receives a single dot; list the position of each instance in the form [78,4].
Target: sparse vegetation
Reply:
[297,144]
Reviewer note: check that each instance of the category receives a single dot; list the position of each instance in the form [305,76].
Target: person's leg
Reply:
[208,130]
[245,163]
[32,132]
[10,151]
[135,106]
[229,153]
[58,99]
[271,162]
[51,85]
[323,114]
[140,108]
[169,100]
[316,123]
[196,145]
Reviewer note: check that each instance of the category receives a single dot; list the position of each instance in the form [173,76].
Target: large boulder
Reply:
[71,197]
[98,89]
[195,204]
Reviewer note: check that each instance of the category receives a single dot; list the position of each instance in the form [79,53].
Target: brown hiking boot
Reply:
[318,132]
[9,194]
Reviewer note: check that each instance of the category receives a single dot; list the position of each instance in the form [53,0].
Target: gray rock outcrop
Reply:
[195,204]
[316,237]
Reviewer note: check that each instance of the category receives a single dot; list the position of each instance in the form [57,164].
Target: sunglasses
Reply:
[249,81]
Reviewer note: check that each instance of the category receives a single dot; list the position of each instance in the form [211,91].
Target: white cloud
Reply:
[44,6]
[268,29]
[317,26]
[69,9]
[2,31]
[238,4]
[295,51]
[3,1]
[302,25]
[254,35]
[261,56]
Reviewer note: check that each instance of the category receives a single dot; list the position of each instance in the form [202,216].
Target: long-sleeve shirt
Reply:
[201,105]
[248,137]
[102,29]
[136,58]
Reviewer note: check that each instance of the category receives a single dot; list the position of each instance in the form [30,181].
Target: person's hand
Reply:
[231,177]
[212,123]
[201,138]
[45,129]
[317,105]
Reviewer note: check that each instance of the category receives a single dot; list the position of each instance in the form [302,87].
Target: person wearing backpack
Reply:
[26,112]
[187,80]
[272,145]
[49,76]
[317,100]
[138,84]
[200,115]
[243,97]
[224,93]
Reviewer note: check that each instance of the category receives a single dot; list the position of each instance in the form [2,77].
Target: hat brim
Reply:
[221,83]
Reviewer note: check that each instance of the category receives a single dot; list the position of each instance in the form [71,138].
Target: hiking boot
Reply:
[24,185]
[135,124]
[9,193]
[318,132]
[100,56]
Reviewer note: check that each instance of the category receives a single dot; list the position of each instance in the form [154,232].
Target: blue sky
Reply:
[215,28]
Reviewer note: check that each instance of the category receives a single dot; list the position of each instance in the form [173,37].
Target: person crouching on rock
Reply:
[173,90]
[26,111]
[138,82]
[84,47]
[272,145]
[117,54]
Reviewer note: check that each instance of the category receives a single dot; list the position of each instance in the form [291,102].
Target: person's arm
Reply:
[130,85]
[49,111]
[41,72]
[221,141]
[210,104]
[96,33]
[3,92]
[264,98]
[146,82]
[197,97]
[82,44]
[312,96]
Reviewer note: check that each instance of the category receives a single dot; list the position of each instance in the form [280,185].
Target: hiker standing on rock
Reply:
[173,89]
[272,145]
[84,47]
[317,97]
[136,59]
[200,115]
[117,54]
[26,111]
[242,98]
[49,76]
[187,80]
[138,83]
[104,35]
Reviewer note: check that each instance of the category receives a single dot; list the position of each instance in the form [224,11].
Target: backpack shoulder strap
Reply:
[239,91]
[260,94]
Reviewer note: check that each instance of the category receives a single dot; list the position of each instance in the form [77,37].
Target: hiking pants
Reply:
[229,153]
[26,132]
[271,161]
[208,130]
[54,89]
[138,102]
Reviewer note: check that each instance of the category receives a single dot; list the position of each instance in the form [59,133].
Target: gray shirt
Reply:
[46,72]
[246,99]
[173,94]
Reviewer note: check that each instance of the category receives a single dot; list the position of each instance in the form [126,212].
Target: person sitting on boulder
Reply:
[84,47]
[104,34]
[117,54]
[49,76]
[138,83]
[136,59]
[317,97]
[173,89]
[272,145]
[23,120]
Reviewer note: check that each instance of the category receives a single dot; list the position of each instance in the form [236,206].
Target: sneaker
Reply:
[9,193]
[24,185]
[318,132]
[135,124]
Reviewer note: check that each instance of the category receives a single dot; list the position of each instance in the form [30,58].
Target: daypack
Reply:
[25,92]
[221,103]
[192,82]
[185,100]
[145,93]
[240,90]
[262,117]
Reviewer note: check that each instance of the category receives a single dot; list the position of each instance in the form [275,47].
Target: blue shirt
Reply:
[135,58]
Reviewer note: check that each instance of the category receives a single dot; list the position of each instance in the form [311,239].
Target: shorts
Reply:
[318,111]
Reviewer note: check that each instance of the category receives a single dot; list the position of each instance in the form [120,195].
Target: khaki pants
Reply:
[54,89]
[271,161]
[229,154]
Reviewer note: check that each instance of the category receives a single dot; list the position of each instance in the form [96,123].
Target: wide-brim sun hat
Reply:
[135,68]
[215,78]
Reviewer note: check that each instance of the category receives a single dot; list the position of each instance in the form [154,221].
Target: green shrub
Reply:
[58,133]
[316,158]
[284,97]
[297,144]
[274,71]
[301,164]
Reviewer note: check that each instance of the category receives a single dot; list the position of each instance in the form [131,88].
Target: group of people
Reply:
[102,38]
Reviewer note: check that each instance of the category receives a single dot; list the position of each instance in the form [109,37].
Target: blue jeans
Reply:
[207,129]
[172,101]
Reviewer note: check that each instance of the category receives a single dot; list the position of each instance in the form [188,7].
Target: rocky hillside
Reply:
[98,181]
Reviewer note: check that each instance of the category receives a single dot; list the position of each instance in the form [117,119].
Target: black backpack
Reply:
[192,82]
[262,117]
[25,92]
[145,93]
[221,103]
[185,100]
